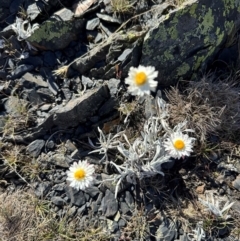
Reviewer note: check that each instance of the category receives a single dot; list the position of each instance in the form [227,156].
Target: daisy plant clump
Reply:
[80,175]
[141,80]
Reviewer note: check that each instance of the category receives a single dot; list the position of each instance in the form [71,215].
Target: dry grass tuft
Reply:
[193,107]
[137,228]
[209,107]
[62,71]
[121,6]
[19,119]
[223,95]
[23,218]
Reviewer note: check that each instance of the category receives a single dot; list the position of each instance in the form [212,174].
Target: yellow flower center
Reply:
[79,174]
[140,78]
[179,144]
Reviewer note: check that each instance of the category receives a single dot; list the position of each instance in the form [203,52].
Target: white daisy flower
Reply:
[179,145]
[141,80]
[81,175]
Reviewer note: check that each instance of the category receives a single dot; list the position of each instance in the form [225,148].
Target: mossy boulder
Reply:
[54,34]
[186,40]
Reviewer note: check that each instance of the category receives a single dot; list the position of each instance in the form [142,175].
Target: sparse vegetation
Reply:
[122,6]
[24,217]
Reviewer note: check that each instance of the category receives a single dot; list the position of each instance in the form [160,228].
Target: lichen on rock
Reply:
[188,38]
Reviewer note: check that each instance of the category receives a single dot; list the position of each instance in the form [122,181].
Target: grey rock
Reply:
[70,146]
[50,79]
[125,54]
[78,110]
[183,237]
[77,197]
[108,107]
[124,208]
[67,94]
[21,70]
[64,14]
[36,61]
[35,78]
[72,211]
[129,199]
[122,223]
[60,160]
[35,9]
[58,201]
[54,35]
[95,207]
[42,189]
[6,3]
[184,42]
[168,165]
[92,191]
[49,59]
[14,7]
[109,205]
[87,81]
[108,18]
[236,183]
[92,24]
[35,148]
[59,187]
[81,210]
[113,86]
[98,38]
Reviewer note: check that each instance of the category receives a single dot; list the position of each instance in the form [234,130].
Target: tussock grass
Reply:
[19,119]
[210,107]
[25,218]
[137,228]
[193,107]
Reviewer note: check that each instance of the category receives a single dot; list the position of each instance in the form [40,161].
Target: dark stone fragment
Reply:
[34,148]
[87,81]
[3,74]
[42,189]
[14,7]
[109,204]
[113,86]
[77,197]
[58,201]
[126,53]
[92,191]
[122,223]
[129,199]
[49,59]
[124,208]
[35,9]
[92,24]
[21,70]
[236,183]
[32,60]
[108,107]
